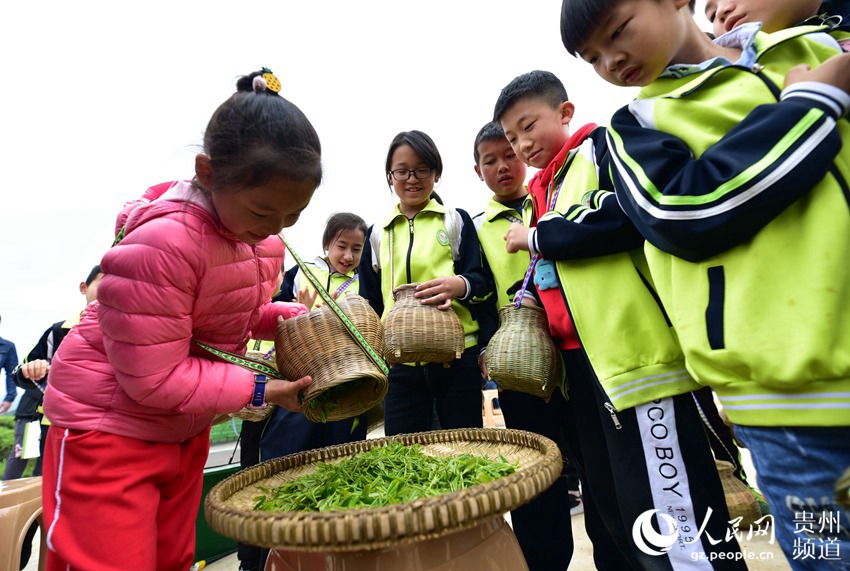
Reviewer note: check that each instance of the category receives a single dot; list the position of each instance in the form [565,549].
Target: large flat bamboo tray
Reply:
[228,506]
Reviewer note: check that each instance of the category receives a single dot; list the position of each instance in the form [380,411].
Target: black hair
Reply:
[95,271]
[256,136]
[543,85]
[340,222]
[424,147]
[579,19]
[492,131]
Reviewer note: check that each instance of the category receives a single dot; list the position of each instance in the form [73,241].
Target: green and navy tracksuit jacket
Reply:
[741,190]
[422,251]
[505,268]
[603,278]
[334,282]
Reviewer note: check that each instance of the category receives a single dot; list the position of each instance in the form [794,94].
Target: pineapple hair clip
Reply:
[266,81]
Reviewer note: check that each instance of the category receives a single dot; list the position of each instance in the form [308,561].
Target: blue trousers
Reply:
[796,470]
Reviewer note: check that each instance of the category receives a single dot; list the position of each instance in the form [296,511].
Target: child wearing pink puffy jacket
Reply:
[132,392]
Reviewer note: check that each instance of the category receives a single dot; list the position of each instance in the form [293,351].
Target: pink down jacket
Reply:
[130,366]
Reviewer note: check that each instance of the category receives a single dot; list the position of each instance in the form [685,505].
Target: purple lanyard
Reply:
[344,286]
[511,218]
[552,200]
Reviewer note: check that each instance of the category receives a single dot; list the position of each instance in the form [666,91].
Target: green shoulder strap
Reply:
[331,303]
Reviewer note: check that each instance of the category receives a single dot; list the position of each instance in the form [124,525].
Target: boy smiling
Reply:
[733,180]
[629,420]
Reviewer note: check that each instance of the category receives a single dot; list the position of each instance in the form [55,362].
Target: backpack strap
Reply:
[451,220]
[453,224]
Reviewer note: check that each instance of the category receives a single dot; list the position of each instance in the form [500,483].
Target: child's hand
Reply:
[517,238]
[35,370]
[285,393]
[835,71]
[293,309]
[441,291]
[528,302]
[306,298]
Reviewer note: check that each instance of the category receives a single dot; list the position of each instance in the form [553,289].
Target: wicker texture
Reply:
[521,355]
[229,505]
[740,500]
[417,333]
[346,382]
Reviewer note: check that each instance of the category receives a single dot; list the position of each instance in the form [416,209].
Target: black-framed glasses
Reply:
[402,175]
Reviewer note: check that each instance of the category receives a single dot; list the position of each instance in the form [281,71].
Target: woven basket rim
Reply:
[298,530]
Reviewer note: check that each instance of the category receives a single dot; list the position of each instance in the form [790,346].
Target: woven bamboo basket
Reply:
[346,382]
[739,498]
[521,355]
[417,333]
[229,505]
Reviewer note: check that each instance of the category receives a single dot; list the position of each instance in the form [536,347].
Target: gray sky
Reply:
[103,99]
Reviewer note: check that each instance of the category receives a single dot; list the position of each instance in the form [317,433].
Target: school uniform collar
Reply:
[743,38]
[432,206]
[323,264]
[494,209]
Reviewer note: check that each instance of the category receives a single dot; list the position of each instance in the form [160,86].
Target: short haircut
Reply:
[95,271]
[341,222]
[579,19]
[543,85]
[492,131]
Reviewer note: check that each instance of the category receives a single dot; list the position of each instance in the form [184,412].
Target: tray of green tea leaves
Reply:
[381,476]
[424,485]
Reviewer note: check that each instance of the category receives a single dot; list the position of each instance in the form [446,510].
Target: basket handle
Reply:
[256,365]
[331,303]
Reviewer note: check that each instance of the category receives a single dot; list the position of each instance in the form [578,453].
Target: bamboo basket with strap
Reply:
[521,355]
[229,505]
[740,500]
[416,333]
[346,382]
[340,345]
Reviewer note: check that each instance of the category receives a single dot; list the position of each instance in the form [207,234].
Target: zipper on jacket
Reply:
[410,248]
[774,89]
[609,406]
[606,403]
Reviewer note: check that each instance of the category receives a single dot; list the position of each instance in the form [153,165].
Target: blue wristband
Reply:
[258,399]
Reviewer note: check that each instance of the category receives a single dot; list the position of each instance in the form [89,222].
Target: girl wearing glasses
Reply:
[438,248]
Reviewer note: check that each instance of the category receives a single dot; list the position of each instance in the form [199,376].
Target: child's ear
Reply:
[83,288]
[567,109]
[204,171]
[478,172]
